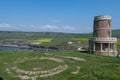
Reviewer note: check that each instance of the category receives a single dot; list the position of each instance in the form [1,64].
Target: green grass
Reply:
[94,68]
[33,35]
[118,42]
[80,39]
[37,63]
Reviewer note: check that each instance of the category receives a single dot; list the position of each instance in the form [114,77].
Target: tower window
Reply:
[109,24]
[96,25]
[95,34]
[108,33]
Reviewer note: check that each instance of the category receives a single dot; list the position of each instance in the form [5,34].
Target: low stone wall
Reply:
[114,54]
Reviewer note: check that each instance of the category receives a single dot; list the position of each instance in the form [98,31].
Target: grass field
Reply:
[71,65]
[80,39]
[118,42]
[56,65]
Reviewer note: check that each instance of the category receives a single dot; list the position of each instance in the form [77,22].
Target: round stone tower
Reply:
[102,42]
[102,26]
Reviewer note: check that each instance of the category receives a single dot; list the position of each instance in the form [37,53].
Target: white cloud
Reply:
[22,25]
[66,27]
[4,25]
[41,28]
[49,27]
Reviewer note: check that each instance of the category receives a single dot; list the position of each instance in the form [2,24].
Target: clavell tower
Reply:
[102,42]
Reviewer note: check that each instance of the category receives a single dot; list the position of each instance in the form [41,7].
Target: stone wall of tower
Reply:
[102,28]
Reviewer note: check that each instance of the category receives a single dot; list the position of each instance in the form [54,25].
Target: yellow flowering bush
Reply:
[47,40]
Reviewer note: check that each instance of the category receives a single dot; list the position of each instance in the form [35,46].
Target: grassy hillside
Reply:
[33,35]
[56,65]
[57,38]
[36,35]
[17,65]
[116,33]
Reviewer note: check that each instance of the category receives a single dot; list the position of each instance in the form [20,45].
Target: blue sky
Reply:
[74,16]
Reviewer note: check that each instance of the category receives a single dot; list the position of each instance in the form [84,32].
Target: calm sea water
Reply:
[6,48]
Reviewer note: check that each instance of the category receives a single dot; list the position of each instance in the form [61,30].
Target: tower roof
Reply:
[102,17]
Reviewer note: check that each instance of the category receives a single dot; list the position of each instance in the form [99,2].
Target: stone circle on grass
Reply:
[36,72]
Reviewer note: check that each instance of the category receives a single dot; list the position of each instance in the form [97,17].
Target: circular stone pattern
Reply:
[36,67]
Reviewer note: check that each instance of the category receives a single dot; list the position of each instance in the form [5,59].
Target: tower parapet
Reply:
[102,17]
